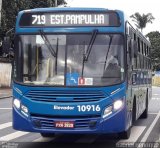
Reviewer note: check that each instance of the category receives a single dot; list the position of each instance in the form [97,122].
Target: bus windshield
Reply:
[59,60]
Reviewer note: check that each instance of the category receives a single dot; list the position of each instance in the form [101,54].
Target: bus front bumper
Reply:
[40,124]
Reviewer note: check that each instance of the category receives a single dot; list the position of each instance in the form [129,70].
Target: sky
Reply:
[128,6]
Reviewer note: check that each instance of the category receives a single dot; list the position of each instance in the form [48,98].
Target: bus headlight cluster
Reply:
[21,107]
[17,103]
[107,111]
[114,107]
[24,110]
[117,104]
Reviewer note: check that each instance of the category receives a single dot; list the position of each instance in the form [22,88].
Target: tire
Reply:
[145,113]
[125,134]
[47,134]
[134,111]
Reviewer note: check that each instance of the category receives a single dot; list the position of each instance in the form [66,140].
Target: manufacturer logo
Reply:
[57,107]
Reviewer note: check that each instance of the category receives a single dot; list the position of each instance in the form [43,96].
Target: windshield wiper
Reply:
[89,48]
[47,42]
[93,37]
[110,41]
[57,45]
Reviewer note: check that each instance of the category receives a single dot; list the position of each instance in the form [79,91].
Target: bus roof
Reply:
[51,9]
[67,9]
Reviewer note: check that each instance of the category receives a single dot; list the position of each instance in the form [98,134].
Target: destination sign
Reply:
[69,19]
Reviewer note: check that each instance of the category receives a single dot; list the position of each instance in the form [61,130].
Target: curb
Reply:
[5,97]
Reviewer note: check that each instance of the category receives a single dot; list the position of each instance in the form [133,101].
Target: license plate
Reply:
[64,124]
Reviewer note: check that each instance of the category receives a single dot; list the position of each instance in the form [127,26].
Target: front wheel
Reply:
[47,134]
[125,134]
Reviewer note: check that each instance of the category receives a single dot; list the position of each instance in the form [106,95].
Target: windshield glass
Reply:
[60,60]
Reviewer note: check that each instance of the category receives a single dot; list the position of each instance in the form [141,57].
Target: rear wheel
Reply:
[145,113]
[134,111]
[47,134]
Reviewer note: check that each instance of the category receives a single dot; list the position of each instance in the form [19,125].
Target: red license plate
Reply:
[64,124]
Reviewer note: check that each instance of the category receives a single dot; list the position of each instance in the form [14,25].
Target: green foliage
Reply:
[154,38]
[45,3]
[10,9]
[142,20]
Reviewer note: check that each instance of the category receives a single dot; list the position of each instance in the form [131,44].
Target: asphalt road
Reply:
[145,132]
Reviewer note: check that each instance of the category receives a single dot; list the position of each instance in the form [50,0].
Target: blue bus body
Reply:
[117,122]
[43,112]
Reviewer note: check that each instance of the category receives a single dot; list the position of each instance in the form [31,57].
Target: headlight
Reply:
[117,104]
[113,108]
[107,111]
[24,110]
[17,103]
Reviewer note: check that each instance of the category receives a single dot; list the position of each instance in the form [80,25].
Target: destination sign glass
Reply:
[69,19]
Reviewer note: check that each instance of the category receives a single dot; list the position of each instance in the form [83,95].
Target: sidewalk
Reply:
[5,93]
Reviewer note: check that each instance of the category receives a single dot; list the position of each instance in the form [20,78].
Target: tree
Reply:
[154,38]
[142,20]
[45,3]
[10,9]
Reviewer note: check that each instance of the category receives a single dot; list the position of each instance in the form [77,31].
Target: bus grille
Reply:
[65,96]
[48,122]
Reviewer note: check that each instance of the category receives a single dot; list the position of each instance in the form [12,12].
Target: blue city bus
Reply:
[79,71]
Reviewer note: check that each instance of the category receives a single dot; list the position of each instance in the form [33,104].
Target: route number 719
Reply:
[38,19]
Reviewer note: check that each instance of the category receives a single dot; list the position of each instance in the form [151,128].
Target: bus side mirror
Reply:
[134,48]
